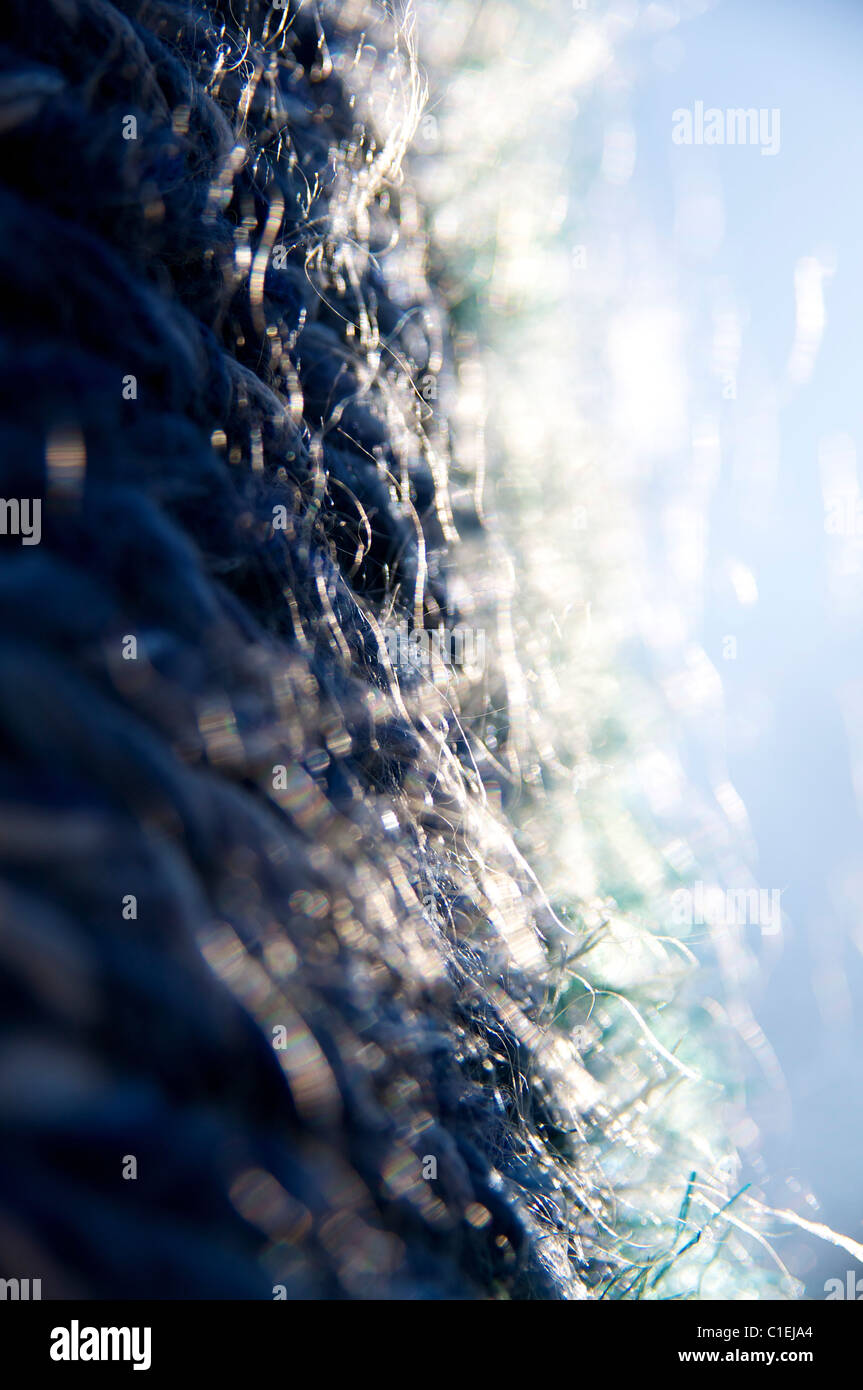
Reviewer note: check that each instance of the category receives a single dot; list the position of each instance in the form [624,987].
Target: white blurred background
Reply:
[734,389]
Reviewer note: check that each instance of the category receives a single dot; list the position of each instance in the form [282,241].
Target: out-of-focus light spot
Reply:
[477,1215]
[679,856]
[809,276]
[661,778]
[315,905]
[743,582]
[65,462]
[644,355]
[697,687]
[732,804]
[263,1202]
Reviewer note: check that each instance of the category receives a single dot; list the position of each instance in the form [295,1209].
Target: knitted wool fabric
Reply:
[275,979]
